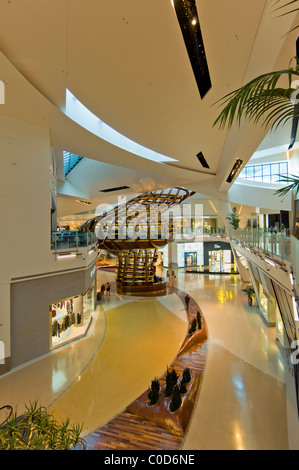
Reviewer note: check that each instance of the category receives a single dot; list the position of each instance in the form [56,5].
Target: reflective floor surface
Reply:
[242,403]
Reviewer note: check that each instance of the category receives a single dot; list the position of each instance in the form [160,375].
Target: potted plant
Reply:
[155,385]
[36,429]
[192,328]
[186,375]
[176,400]
[182,387]
[153,397]
[233,218]
[249,291]
[199,321]
[171,381]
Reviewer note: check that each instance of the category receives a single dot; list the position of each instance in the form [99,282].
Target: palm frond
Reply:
[261,98]
[286,5]
[293,186]
[281,7]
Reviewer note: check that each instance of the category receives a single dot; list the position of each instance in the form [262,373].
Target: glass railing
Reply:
[278,243]
[68,239]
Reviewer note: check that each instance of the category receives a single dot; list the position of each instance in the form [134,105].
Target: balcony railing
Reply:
[278,244]
[67,239]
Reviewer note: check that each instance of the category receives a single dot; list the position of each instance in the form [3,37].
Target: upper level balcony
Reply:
[275,243]
[72,240]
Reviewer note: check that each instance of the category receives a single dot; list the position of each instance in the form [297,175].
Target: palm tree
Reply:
[265,100]
[233,218]
[288,5]
[262,99]
[292,187]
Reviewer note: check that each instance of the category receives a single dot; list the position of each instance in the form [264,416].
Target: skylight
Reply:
[76,111]
[70,160]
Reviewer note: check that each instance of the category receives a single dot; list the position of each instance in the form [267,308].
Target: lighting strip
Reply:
[70,255]
[76,111]
[270,262]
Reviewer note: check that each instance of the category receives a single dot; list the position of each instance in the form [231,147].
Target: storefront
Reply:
[190,258]
[204,256]
[70,318]
[218,257]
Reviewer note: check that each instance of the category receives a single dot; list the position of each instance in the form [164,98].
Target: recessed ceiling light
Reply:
[83,202]
[194,21]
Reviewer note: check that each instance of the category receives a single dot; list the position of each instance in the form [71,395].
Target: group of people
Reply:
[105,288]
[168,274]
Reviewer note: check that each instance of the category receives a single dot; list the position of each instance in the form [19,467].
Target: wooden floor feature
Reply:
[129,432]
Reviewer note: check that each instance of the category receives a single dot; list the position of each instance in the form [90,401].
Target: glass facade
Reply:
[266,173]
[70,160]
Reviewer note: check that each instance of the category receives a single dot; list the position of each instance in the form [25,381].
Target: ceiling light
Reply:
[194,21]
[71,255]
[270,262]
[237,165]
[83,202]
[202,160]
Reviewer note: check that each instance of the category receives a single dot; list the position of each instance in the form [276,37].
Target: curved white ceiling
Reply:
[126,62]
[76,111]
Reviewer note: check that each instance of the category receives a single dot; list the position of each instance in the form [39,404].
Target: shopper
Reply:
[103,288]
[108,288]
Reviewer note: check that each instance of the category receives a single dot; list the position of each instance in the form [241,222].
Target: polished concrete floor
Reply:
[243,402]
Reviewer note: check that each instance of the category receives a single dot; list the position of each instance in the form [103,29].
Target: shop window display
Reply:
[70,318]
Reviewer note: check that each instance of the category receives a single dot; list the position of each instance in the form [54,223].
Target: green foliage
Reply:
[289,5]
[171,381]
[186,375]
[153,397]
[192,328]
[199,320]
[176,399]
[249,291]
[36,429]
[261,99]
[233,218]
[155,385]
[174,377]
[182,387]
[292,187]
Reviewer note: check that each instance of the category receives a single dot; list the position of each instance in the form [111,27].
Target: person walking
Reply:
[108,288]
[103,288]
[187,301]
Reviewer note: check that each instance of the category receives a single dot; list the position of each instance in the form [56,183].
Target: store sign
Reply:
[2,353]
[217,246]
[2,92]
